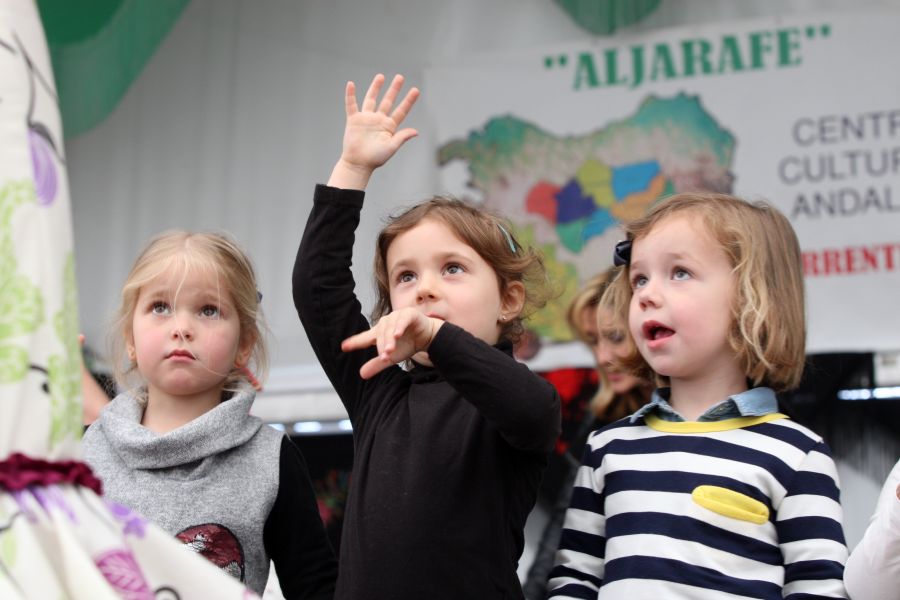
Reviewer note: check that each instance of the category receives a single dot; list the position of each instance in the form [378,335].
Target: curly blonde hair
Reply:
[768,332]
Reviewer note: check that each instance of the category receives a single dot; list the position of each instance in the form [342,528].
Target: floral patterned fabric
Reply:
[64,541]
[58,537]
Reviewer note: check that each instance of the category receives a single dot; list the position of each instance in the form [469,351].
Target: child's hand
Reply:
[93,396]
[371,136]
[397,336]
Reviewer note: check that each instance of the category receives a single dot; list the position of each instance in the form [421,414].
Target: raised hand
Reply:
[372,134]
[398,336]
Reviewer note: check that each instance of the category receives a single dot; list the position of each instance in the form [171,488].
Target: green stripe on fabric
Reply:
[98,49]
[603,17]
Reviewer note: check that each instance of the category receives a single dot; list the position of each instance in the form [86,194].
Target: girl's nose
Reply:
[181,330]
[648,295]
[603,355]
[427,288]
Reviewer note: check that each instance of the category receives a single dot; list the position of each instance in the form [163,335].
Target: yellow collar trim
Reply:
[658,424]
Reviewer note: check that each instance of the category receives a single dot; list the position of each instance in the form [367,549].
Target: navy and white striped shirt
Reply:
[745,507]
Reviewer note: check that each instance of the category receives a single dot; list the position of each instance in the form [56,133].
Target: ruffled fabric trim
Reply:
[19,471]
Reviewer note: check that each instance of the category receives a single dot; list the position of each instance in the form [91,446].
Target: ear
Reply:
[129,346]
[513,300]
[244,351]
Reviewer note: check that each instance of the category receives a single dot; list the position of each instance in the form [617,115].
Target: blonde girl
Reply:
[450,447]
[707,490]
[180,446]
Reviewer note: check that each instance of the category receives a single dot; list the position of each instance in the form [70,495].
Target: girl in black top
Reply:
[449,450]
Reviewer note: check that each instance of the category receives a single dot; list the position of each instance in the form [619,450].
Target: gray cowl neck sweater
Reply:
[211,482]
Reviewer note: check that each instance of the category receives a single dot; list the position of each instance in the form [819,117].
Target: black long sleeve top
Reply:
[447,460]
[294,535]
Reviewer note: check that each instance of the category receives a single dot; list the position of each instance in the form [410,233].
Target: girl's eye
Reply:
[453,269]
[638,281]
[160,308]
[615,337]
[680,274]
[405,277]
[209,311]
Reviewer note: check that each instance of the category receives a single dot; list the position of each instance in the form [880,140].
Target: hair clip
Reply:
[622,253]
[258,296]
[509,240]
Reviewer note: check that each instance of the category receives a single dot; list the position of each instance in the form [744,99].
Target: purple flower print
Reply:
[45,180]
[122,572]
[36,500]
[133,523]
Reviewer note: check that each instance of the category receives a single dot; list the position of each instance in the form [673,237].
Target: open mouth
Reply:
[656,331]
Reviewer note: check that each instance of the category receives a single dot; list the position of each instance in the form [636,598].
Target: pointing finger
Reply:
[374,367]
[358,341]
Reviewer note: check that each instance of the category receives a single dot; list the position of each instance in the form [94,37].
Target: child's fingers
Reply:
[403,136]
[390,329]
[374,367]
[350,105]
[387,343]
[391,94]
[372,93]
[359,341]
[405,105]
[397,328]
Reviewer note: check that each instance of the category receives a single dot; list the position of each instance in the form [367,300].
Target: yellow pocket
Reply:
[730,503]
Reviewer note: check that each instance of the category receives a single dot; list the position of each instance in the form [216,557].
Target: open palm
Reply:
[372,133]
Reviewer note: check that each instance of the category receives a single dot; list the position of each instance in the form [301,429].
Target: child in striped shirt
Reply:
[707,491]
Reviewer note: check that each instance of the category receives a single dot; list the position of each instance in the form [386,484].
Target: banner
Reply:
[571,140]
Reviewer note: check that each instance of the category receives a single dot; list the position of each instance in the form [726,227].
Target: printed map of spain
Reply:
[562,191]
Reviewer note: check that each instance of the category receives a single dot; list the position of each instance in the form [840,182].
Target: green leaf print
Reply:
[8,547]
[64,372]
[13,363]
[13,195]
[21,306]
